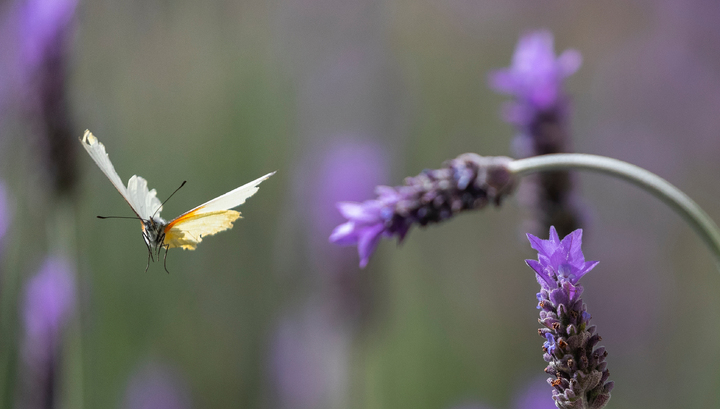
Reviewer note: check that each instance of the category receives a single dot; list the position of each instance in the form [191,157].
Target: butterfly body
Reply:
[186,230]
[153,232]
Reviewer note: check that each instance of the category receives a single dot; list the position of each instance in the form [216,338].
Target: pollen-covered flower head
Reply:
[559,260]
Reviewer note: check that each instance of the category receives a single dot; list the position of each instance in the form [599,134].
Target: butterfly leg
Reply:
[166,247]
[149,253]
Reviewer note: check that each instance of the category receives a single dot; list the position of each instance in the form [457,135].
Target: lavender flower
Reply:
[310,358]
[578,367]
[43,24]
[347,169]
[539,111]
[535,78]
[467,182]
[4,211]
[533,395]
[44,34]
[48,305]
[156,386]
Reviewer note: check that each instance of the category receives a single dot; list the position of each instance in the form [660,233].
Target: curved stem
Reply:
[657,186]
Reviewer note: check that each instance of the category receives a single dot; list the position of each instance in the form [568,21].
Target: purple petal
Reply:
[569,62]
[541,274]
[364,212]
[586,268]
[554,236]
[368,241]
[536,242]
[503,81]
[387,195]
[534,51]
[575,247]
[345,234]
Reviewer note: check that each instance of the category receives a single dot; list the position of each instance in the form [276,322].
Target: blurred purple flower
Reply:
[43,25]
[48,305]
[539,111]
[535,77]
[4,211]
[533,395]
[467,182]
[309,358]
[470,405]
[156,387]
[348,170]
[44,29]
[578,367]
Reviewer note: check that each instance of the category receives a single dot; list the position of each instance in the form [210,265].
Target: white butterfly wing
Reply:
[233,198]
[143,202]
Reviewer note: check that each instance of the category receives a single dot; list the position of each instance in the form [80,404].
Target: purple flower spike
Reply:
[539,111]
[467,182]
[48,305]
[4,211]
[49,301]
[156,386]
[579,369]
[533,395]
[44,29]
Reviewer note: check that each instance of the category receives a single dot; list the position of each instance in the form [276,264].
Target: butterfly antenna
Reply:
[166,200]
[119,217]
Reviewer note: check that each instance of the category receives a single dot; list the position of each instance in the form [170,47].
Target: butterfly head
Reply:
[153,231]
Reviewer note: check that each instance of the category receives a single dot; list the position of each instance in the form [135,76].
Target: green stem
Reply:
[657,186]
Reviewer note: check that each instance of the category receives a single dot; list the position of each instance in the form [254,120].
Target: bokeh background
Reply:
[339,96]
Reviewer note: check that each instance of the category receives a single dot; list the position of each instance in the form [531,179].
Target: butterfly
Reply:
[184,231]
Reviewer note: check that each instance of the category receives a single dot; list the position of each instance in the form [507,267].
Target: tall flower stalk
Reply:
[578,368]
[539,111]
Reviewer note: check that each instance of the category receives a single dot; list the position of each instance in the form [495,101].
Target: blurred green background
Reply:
[269,314]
